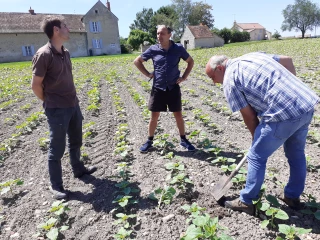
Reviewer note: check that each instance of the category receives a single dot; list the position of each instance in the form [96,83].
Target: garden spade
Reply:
[225,183]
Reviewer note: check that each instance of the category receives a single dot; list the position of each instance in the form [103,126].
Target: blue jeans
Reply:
[62,122]
[268,137]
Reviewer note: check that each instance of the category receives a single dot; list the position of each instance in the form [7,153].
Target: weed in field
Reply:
[163,195]
[290,232]
[44,143]
[10,185]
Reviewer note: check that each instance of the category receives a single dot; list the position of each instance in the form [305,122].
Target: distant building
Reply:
[94,33]
[257,32]
[200,36]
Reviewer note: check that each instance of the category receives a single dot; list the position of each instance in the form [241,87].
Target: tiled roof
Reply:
[247,26]
[26,22]
[200,31]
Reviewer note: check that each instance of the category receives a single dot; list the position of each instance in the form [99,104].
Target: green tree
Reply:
[163,16]
[237,36]
[137,37]
[276,35]
[183,10]
[143,20]
[225,33]
[201,13]
[302,16]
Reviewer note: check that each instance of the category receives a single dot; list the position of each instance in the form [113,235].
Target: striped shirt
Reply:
[257,79]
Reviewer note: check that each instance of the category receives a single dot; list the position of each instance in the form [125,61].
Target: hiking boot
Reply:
[293,203]
[237,205]
[145,147]
[59,193]
[87,170]
[187,145]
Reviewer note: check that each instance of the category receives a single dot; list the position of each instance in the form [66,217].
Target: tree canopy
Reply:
[143,20]
[137,37]
[302,16]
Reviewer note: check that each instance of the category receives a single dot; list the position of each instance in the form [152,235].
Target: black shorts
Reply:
[160,100]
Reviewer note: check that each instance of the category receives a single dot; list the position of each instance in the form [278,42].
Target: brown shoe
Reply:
[237,205]
[293,203]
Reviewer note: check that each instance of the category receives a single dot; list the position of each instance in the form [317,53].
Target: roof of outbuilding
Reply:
[13,22]
[246,26]
[200,31]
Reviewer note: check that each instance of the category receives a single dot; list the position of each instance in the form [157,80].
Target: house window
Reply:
[95,26]
[96,11]
[28,50]
[97,43]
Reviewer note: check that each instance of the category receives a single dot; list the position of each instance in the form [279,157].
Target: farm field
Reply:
[140,196]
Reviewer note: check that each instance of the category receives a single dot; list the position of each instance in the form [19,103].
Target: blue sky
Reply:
[266,12]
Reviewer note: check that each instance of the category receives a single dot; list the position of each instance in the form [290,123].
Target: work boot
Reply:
[187,145]
[87,170]
[293,203]
[146,146]
[237,205]
[59,193]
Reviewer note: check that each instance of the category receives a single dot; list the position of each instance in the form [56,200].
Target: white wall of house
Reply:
[187,40]
[22,46]
[204,42]
[257,34]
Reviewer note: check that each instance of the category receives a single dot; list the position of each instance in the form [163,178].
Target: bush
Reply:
[126,48]
[237,36]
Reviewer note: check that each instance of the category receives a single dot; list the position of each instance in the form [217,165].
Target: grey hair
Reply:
[217,60]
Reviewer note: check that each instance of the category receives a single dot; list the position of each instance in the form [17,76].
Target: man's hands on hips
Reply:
[180,80]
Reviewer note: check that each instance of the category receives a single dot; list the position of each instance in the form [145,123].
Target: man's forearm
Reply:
[38,91]
[187,71]
[252,124]
[142,68]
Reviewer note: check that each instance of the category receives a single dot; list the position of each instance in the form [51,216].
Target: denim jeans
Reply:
[268,137]
[62,122]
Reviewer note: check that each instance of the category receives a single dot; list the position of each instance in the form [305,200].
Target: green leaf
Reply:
[306,211]
[317,215]
[63,228]
[152,197]
[279,238]
[303,230]
[53,234]
[200,221]
[281,215]
[264,223]
[283,228]
[273,200]
[193,233]
[56,203]
[265,206]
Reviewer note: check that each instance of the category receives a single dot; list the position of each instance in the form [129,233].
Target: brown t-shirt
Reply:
[58,86]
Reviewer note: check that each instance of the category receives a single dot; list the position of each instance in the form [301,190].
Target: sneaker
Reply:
[145,147]
[237,205]
[87,170]
[187,145]
[293,203]
[59,193]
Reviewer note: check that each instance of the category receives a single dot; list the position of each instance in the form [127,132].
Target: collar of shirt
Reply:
[55,50]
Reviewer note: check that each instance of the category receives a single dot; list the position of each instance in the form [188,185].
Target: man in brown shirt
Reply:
[52,82]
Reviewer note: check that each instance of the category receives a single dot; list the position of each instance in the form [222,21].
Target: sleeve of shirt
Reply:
[39,65]
[184,53]
[234,96]
[274,57]
[146,55]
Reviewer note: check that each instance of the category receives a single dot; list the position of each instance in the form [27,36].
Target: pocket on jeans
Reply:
[55,115]
[285,129]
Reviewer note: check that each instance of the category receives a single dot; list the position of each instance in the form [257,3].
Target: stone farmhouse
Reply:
[95,33]
[257,32]
[200,37]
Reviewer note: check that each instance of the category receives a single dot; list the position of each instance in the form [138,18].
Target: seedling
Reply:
[223,160]
[291,232]
[163,143]
[125,188]
[174,166]
[44,143]
[228,168]
[194,210]
[124,219]
[124,201]
[313,208]
[163,195]
[181,180]
[9,185]
[122,234]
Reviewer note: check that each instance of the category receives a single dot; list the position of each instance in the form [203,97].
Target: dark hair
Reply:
[50,22]
[169,29]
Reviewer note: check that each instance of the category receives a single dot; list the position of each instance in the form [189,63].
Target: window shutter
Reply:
[91,26]
[32,50]
[101,46]
[99,26]
[24,51]
[94,45]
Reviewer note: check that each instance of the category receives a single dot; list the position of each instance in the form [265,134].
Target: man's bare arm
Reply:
[186,73]
[138,62]
[37,87]
[287,63]
[250,118]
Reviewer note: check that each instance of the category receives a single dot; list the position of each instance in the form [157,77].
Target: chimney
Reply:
[31,11]
[108,5]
